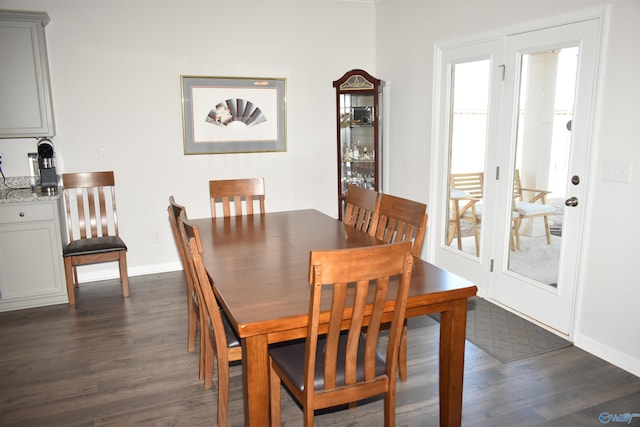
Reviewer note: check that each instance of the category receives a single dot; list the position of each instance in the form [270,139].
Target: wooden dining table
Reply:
[259,268]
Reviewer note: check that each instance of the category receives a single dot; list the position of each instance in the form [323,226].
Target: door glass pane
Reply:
[468,138]
[543,145]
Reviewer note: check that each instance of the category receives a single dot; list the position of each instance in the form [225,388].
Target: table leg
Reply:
[453,324]
[255,374]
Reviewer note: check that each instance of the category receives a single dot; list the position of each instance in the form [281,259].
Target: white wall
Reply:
[115,73]
[608,312]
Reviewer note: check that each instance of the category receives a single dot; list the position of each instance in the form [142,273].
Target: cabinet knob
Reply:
[21,214]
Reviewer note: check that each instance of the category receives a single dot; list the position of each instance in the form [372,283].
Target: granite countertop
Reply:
[18,189]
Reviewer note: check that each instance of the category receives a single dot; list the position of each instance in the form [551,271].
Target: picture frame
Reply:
[222,115]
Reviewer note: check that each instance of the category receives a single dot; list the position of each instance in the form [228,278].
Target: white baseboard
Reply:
[113,273]
[611,355]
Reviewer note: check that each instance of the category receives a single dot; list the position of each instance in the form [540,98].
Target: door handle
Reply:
[572,202]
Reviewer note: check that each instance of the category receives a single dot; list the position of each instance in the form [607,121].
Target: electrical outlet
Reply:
[155,236]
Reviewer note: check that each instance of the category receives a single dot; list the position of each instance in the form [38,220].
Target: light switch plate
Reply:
[103,155]
[617,171]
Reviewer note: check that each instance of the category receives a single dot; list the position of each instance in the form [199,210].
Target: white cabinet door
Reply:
[25,93]
[31,271]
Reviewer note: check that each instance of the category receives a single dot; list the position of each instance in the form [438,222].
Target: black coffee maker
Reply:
[46,163]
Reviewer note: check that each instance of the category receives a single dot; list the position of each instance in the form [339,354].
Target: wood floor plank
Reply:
[120,362]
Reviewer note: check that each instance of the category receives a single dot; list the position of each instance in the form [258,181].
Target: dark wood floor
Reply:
[115,362]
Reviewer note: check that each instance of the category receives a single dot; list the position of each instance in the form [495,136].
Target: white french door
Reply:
[516,110]
[549,92]
[468,121]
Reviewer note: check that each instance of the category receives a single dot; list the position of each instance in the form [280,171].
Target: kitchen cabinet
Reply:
[25,92]
[31,265]
[359,135]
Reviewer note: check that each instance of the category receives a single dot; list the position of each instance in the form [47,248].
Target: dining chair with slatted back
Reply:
[361,207]
[193,308]
[220,340]
[399,220]
[92,226]
[333,367]
[233,194]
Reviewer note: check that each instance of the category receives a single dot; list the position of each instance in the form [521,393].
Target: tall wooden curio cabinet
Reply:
[359,117]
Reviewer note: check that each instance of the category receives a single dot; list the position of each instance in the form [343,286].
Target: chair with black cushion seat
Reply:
[236,196]
[193,308]
[92,226]
[331,367]
[398,220]
[221,341]
[361,207]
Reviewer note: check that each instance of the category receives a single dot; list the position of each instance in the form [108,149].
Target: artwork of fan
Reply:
[235,110]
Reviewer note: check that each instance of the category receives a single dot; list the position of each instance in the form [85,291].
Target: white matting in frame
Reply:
[233,114]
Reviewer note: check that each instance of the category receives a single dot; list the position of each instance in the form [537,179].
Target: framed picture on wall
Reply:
[233,114]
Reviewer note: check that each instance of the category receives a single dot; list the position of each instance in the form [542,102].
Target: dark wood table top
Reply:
[259,265]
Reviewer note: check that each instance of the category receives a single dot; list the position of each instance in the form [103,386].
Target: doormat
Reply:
[504,335]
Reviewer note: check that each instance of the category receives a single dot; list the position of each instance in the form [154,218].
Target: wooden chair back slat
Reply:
[91,206]
[82,225]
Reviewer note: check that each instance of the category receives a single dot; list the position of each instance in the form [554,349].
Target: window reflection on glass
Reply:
[547,93]
[468,138]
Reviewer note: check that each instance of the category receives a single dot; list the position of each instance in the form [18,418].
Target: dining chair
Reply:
[231,193]
[461,205]
[221,341]
[534,206]
[92,226]
[401,220]
[361,207]
[193,307]
[331,367]
[467,207]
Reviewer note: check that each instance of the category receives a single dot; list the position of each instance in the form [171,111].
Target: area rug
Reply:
[504,335]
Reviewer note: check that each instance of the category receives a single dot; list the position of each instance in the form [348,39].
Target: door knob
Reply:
[571,202]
